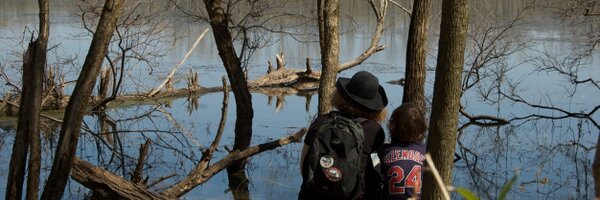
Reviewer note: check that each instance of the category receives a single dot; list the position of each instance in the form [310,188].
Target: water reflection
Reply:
[280,98]
[238,185]
[536,150]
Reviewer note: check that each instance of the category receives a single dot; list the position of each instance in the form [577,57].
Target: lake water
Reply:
[552,156]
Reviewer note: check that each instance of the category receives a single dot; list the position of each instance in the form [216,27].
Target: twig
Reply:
[153,92]
[178,125]
[207,155]
[438,178]
[48,95]
[401,7]
[160,179]
[475,119]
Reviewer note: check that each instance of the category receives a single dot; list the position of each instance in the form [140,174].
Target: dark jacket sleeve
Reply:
[372,173]
[379,140]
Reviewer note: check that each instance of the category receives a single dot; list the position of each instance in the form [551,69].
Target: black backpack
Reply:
[332,163]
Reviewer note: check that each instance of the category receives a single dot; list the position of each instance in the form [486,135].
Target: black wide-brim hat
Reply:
[363,90]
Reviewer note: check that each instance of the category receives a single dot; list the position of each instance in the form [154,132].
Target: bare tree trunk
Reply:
[28,132]
[238,184]
[446,93]
[69,134]
[244,113]
[414,84]
[329,54]
[596,170]
[18,159]
[39,64]
[321,22]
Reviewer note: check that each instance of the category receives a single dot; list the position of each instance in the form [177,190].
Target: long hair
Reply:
[343,105]
[407,124]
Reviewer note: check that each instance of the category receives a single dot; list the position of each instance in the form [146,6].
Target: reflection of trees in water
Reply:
[115,139]
[275,173]
[3,137]
[550,143]
[280,99]
[238,184]
[281,162]
[552,157]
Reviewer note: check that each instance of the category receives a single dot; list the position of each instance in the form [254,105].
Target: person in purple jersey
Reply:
[402,159]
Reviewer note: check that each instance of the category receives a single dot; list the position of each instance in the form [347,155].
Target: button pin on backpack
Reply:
[333,174]
[326,161]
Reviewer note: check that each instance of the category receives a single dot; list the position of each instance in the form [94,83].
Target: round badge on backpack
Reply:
[333,174]
[326,161]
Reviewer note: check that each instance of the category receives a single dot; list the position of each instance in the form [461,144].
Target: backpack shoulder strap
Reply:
[360,120]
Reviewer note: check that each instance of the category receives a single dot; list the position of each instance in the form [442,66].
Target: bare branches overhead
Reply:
[380,10]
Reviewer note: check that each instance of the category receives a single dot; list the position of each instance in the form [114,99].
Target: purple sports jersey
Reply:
[401,169]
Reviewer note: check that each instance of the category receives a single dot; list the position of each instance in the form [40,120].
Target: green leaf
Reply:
[468,195]
[507,188]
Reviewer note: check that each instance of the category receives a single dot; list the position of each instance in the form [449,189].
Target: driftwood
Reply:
[287,78]
[106,185]
[278,82]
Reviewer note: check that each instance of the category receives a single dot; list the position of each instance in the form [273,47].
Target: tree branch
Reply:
[170,77]
[108,185]
[207,155]
[199,176]
[374,47]
[401,7]
[477,119]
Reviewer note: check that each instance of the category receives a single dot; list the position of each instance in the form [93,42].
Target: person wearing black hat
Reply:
[358,97]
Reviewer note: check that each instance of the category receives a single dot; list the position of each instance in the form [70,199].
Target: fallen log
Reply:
[107,185]
[285,77]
